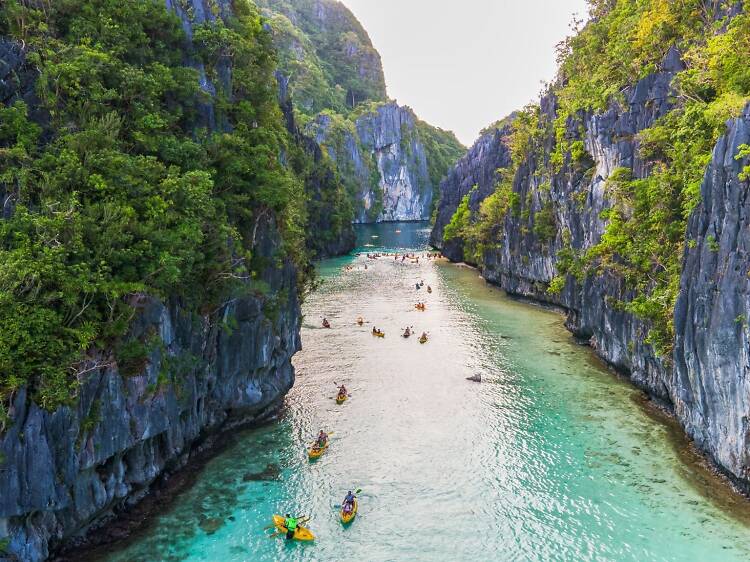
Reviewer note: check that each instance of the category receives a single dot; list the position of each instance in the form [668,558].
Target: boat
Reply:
[379,334]
[316,452]
[341,398]
[348,518]
[423,339]
[300,533]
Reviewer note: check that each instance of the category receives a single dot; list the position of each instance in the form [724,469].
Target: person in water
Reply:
[349,502]
[291,524]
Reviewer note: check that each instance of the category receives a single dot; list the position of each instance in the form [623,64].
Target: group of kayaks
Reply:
[348,512]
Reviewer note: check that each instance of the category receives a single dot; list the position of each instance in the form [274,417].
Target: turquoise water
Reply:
[551,458]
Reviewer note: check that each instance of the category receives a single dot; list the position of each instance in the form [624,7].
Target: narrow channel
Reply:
[551,457]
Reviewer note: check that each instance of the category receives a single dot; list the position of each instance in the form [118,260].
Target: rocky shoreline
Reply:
[125,525]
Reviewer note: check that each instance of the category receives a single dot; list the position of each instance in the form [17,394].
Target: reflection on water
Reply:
[550,458]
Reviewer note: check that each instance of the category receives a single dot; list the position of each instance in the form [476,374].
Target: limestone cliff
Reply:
[390,161]
[710,386]
[135,419]
[383,160]
[552,222]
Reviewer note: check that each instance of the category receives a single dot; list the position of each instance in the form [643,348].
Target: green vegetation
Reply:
[121,194]
[332,63]
[460,220]
[646,227]
[625,41]
[334,71]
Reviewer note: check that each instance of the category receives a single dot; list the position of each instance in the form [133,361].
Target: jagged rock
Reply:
[270,473]
[610,139]
[710,385]
[385,160]
[211,525]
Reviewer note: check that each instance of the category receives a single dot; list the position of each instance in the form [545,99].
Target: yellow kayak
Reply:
[341,399]
[379,334]
[422,340]
[300,534]
[348,518]
[317,452]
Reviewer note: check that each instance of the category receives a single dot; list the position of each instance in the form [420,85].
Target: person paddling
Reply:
[322,439]
[326,323]
[291,524]
[349,500]
[407,332]
[342,390]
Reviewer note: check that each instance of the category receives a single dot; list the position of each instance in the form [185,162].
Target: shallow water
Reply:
[551,458]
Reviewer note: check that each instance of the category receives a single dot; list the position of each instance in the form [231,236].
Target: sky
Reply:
[462,65]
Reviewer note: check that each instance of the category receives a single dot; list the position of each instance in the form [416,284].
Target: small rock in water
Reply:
[211,525]
[271,472]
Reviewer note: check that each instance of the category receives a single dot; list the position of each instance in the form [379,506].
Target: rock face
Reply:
[383,161]
[706,381]
[524,265]
[390,162]
[65,472]
[711,380]
[478,169]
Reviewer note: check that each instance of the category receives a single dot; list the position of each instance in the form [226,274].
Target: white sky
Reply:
[462,65]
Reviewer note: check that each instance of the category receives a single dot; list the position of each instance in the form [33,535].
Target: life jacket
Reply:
[291,524]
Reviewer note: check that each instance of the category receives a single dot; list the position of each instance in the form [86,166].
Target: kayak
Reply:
[348,518]
[317,452]
[379,334]
[340,399]
[422,340]
[300,533]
